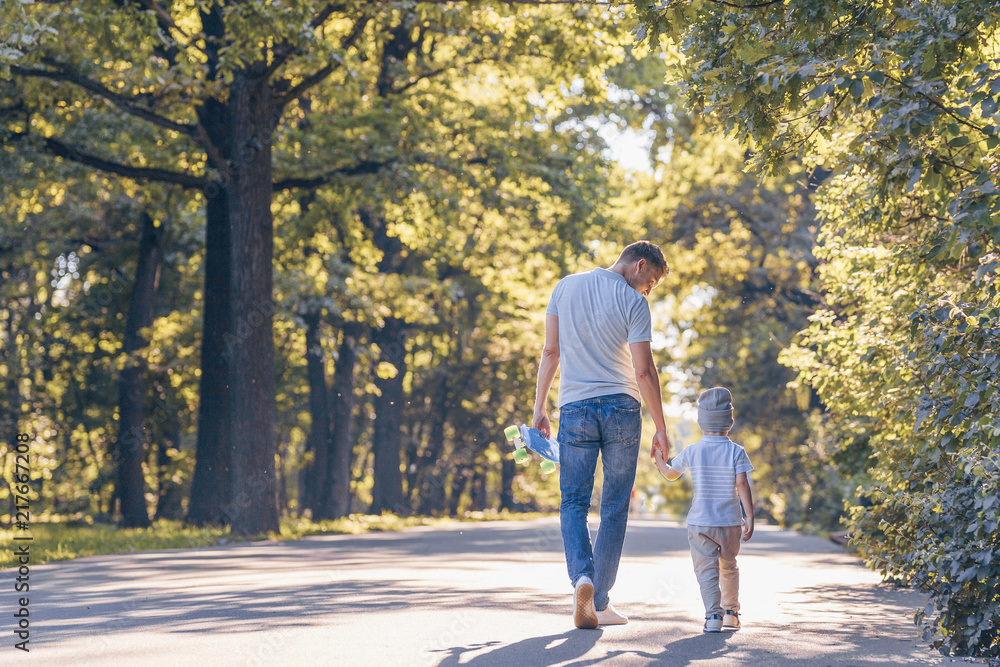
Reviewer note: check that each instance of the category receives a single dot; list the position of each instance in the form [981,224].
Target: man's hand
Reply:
[662,444]
[541,422]
[669,472]
[748,529]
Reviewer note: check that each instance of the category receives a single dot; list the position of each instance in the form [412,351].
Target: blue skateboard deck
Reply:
[525,439]
[547,448]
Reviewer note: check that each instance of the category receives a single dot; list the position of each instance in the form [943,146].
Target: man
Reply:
[598,324]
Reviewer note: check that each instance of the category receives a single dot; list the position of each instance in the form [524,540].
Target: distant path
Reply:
[471,594]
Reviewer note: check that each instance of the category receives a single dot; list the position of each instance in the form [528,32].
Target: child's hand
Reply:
[747,530]
[663,466]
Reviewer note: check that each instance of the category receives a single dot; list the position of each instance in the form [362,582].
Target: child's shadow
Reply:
[550,650]
[696,648]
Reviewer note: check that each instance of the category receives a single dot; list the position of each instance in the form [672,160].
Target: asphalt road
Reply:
[468,594]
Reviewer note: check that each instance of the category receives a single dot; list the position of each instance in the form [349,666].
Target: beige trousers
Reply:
[713,551]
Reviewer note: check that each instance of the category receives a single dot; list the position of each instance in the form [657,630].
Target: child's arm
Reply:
[664,467]
[746,497]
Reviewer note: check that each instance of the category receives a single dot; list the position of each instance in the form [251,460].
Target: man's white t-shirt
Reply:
[600,315]
[714,461]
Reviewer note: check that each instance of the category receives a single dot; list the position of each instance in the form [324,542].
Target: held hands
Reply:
[660,444]
[669,473]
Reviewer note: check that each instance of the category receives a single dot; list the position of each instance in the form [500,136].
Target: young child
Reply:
[719,470]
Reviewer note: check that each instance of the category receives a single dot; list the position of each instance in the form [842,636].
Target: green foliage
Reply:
[741,286]
[460,134]
[19,30]
[899,100]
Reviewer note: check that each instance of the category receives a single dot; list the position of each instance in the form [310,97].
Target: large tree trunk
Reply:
[387,490]
[130,450]
[235,477]
[210,488]
[253,507]
[336,493]
[318,443]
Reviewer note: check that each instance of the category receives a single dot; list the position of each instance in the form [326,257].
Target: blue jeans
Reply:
[610,426]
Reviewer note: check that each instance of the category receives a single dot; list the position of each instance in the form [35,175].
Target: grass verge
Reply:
[65,541]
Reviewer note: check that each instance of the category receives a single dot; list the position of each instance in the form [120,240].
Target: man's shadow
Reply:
[573,645]
[549,650]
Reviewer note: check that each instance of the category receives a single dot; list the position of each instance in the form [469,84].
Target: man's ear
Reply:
[640,265]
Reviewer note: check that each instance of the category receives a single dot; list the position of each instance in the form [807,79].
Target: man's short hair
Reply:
[647,251]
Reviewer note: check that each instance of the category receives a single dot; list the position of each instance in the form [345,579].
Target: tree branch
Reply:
[295,92]
[65,73]
[141,174]
[436,72]
[164,19]
[286,49]
[365,167]
[166,23]
[299,89]
[939,105]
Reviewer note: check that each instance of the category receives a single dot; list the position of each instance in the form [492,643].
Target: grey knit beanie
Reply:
[715,410]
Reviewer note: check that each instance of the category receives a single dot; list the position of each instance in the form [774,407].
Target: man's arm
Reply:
[746,497]
[649,386]
[546,374]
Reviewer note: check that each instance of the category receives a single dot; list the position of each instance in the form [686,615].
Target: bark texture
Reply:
[336,493]
[387,489]
[130,448]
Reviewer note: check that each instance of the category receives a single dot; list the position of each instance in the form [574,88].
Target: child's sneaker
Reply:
[713,623]
[731,623]
[584,615]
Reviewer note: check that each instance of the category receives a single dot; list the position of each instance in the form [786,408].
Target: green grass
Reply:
[66,541]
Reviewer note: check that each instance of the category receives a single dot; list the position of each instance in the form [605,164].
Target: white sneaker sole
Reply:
[585,615]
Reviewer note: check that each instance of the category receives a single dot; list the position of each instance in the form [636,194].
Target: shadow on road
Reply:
[78,613]
[695,648]
[512,541]
[549,650]
[573,645]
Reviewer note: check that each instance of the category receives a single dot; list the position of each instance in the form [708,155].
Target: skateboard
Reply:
[526,438]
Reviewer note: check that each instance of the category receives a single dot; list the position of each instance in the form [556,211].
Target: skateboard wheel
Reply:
[511,432]
[548,466]
[521,455]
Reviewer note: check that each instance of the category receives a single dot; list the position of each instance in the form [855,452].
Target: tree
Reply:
[130,448]
[215,104]
[457,155]
[741,286]
[899,100]
[233,98]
